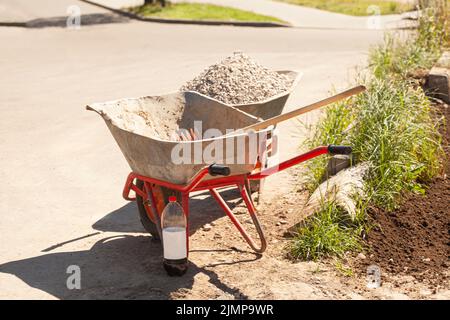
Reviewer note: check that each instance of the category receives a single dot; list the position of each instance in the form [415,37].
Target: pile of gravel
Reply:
[238,80]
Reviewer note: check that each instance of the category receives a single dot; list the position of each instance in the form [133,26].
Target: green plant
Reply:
[328,233]
[333,129]
[402,58]
[391,126]
[344,270]
[395,131]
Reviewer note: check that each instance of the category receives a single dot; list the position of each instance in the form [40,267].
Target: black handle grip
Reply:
[218,170]
[334,150]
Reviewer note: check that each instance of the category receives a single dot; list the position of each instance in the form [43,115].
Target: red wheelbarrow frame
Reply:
[240,181]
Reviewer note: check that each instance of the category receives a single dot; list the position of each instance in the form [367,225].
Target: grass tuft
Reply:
[200,11]
[395,131]
[356,7]
[404,58]
[331,130]
[328,233]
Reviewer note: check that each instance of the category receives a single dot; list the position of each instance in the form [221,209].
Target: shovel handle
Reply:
[308,108]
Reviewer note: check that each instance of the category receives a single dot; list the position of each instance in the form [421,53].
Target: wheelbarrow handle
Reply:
[331,150]
[341,150]
[218,170]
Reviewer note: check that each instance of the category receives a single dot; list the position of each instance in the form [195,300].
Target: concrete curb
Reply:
[438,84]
[13,24]
[87,19]
[185,21]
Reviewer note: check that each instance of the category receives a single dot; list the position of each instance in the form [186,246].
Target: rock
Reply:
[361,256]
[207,227]
[438,84]
[425,292]
[240,210]
[342,189]
[283,222]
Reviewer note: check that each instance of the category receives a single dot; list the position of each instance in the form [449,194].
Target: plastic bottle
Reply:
[173,225]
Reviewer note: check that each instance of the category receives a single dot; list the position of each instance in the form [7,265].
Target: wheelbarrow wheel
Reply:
[147,223]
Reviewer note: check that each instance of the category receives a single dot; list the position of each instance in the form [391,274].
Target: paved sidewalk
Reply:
[305,17]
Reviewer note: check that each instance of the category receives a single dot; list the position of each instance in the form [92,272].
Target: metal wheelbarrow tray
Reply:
[143,128]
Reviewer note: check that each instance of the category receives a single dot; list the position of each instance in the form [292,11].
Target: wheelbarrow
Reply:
[147,145]
[144,188]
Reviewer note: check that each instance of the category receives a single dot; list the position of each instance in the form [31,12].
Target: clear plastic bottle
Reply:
[173,225]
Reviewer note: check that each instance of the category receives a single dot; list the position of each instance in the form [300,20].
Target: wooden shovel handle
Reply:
[299,111]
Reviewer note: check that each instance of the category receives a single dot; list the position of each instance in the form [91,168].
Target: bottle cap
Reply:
[172,199]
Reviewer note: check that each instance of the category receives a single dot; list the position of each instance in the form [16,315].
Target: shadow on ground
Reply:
[202,211]
[120,267]
[85,20]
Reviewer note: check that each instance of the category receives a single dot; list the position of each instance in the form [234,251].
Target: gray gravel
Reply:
[238,79]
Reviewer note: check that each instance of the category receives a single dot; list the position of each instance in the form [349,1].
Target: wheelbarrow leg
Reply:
[236,222]
[185,205]
[252,211]
[152,210]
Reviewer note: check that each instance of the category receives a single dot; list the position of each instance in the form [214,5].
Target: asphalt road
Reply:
[61,172]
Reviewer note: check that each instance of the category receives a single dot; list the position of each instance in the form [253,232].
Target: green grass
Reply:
[396,132]
[200,11]
[392,126]
[331,130]
[355,7]
[328,233]
[403,58]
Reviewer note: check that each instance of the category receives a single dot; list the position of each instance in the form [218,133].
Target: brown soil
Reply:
[414,239]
